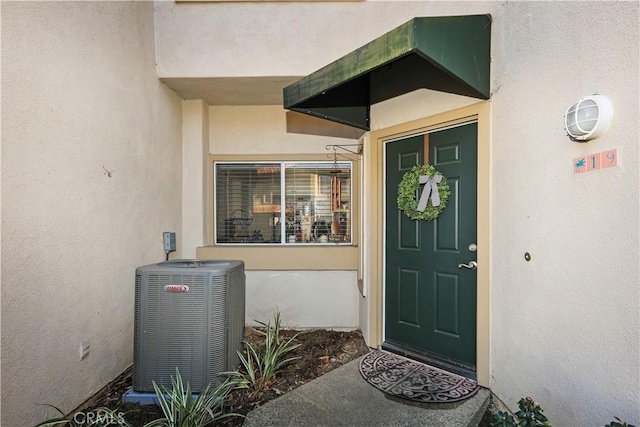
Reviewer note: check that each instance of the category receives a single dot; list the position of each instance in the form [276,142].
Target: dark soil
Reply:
[320,351]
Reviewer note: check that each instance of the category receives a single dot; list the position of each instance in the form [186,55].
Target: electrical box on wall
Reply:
[169,241]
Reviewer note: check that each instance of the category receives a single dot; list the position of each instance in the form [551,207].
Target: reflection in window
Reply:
[250,207]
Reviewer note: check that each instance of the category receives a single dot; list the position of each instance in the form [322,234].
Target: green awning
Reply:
[448,54]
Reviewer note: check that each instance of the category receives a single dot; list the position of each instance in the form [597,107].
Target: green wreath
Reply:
[408,197]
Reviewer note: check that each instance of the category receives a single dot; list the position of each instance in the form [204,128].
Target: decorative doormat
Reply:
[401,377]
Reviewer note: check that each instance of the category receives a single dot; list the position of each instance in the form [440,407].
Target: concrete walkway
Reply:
[343,398]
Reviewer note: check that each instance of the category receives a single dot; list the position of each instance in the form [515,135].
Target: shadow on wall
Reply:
[309,125]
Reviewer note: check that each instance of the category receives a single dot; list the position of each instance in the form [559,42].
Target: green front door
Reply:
[430,302]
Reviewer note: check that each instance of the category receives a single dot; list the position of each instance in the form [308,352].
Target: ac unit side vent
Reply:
[136,335]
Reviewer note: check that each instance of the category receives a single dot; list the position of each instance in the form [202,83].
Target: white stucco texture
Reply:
[566,325]
[305,299]
[278,39]
[415,105]
[91,176]
[259,130]
[195,164]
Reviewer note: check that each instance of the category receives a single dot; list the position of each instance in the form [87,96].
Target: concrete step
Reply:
[343,398]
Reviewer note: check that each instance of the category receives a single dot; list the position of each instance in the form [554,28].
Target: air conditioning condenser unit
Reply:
[189,314]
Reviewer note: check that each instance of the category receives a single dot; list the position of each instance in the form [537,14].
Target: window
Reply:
[282,203]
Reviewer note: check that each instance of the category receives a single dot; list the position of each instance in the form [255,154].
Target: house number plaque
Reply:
[605,159]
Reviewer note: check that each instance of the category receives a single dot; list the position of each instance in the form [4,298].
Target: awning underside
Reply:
[447,54]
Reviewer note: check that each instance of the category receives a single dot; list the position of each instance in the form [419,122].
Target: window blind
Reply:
[250,209]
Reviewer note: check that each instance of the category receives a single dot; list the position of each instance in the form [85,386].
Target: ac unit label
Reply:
[176,288]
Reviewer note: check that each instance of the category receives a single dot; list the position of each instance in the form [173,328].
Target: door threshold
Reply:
[460,368]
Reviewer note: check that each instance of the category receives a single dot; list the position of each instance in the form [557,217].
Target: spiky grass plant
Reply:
[182,409]
[62,420]
[260,368]
[179,406]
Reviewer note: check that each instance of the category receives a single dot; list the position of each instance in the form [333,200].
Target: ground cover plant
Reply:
[531,415]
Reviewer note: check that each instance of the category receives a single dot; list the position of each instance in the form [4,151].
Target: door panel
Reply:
[446,226]
[447,292]
[430,304]
[403,252]
[408,298]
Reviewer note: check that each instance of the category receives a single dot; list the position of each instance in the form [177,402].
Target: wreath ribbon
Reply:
[430,190]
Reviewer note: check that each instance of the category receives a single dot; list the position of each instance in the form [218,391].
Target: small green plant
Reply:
[179,406]
[181,409]
[618,423]
[529,415]
[259,368]
[503,419]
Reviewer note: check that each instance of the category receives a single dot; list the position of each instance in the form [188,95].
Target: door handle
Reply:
[471,266]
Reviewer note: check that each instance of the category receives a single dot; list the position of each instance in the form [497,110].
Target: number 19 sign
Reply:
[605,159]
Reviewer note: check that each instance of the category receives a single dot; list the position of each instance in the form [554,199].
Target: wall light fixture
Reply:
[588,118]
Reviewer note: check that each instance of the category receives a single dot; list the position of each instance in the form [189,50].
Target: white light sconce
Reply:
[588,118]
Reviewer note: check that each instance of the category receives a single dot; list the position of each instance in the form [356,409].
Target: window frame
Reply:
[283,162]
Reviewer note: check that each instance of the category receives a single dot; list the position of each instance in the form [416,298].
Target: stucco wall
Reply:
[195,161]
[566,325]
[79,95]
[305,299]
[261,130]
[278,39]
[415,105]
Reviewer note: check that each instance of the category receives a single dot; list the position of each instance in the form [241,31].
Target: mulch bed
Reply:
[320,352]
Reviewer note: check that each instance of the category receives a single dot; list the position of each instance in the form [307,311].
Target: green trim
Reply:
[448,54]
